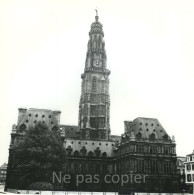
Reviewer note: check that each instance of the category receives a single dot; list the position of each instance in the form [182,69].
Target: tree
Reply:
[38,154]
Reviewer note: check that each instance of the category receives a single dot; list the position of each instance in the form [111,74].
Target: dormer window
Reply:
[76,153]
[23,127]
[165,137]
[152,136]
[139,135]
[90,154]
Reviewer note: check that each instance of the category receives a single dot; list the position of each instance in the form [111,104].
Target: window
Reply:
[76,167]
[167,167]
[98,152]
[189,178]
[101,122]
[165,137]
[104,154]
[193,167]
[140,165]
[166,150]
[140,148]
[152,136]
[94,84]
[90,153]
[94,122]
[102,86]
[101,110]
[139,135]
[76,153]
[97,168]
[188,167]
[85,110]
[153,149]
[83,151]
[23,127]
[36,115]
[54,128]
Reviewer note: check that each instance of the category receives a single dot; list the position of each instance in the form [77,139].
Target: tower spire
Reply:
[94,107]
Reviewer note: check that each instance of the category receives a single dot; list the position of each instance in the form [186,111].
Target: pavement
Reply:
[2,190]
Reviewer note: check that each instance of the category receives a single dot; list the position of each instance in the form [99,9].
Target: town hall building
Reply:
[144,148]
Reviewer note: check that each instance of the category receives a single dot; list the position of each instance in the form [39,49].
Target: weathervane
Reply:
[96,11]
[96,14]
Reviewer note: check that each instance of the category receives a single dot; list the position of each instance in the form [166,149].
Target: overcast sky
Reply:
[150,52]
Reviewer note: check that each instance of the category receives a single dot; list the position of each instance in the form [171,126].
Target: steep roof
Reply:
[71,131]
[146,127]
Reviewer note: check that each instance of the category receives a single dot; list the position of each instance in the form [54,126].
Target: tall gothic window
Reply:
[94,84]
[102,86]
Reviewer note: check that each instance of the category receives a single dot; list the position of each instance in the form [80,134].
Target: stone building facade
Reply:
[189,170]
[3,171]
[144,150]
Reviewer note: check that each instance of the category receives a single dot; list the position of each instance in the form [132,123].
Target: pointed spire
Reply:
[96,17]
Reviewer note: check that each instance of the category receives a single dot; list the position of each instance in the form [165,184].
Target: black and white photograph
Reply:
[97,97]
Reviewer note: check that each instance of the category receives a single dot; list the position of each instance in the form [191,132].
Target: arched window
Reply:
[104,154]
[69,150]
[76,153]
[90,154]
[83,151]
[94,84]
[54,128]
[165,137]
[97,151]
[139,135]
[22,127]
[152,136]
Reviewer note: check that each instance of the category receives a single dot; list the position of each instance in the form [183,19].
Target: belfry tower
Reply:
[94,107]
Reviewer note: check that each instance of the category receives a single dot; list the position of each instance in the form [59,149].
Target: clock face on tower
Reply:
[97,63]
